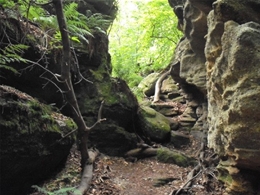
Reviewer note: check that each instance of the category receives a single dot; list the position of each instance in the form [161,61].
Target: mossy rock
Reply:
[169,156]
[112,139]
[154,124]
[31,140]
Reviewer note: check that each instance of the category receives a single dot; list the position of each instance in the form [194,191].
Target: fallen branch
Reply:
[191,176]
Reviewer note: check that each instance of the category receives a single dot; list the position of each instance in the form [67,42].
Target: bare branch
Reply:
[78,70]
[99,119]
[59,89]
[100,110]
[168,38]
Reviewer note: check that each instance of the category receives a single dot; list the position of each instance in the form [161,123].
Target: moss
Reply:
[154,124]
[167,156]
[98,75]
[224,176]
[106,92]
[148,112]
[70,123]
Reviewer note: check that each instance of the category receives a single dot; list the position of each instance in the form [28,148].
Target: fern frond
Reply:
[47,22]
[70,10]
[99,21]
[2,66]
[76,22]
[12,53]
[14,49]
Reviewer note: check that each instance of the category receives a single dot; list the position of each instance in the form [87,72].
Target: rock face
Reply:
[219,57]
[91,74]
[31,141]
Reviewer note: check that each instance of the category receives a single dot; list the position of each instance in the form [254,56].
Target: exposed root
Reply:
[205,170]
[87,173]
[159,84]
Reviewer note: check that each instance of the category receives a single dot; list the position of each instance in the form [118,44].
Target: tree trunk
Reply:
[83,130]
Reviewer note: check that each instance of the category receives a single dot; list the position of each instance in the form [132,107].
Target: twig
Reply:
[68,134]
[99,119]
[78,70]
[188,183]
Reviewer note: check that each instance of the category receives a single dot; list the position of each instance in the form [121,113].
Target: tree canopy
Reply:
[142,39]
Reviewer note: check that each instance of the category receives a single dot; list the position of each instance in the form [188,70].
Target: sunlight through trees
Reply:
[142,39]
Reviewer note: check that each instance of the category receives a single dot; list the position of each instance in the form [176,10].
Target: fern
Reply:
[7,4]
[98,22]
[76,22]
[12,53]
[30,11]
[47,22]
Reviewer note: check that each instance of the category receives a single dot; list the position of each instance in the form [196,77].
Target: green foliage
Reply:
[62,191]
[76,22]
[12,53]
[79,25]
[7,3]
[143,39]
[98,22]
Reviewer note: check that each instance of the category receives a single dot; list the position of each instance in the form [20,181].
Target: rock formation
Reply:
[33,141]
[115,136]
[215,90]
[92,62]
[218,58]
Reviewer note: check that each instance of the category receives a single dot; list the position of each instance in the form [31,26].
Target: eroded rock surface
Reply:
[219,57]
[31,141]
[233,98]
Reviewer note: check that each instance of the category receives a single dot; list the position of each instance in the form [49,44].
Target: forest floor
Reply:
[117,176]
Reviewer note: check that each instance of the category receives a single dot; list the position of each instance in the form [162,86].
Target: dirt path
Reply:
[116,176]
[143,177]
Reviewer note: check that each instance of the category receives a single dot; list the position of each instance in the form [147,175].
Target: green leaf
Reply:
[76,39]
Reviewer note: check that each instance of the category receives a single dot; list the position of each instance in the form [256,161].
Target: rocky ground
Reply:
[117,176]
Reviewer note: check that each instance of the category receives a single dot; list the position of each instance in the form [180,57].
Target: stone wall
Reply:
[219,56]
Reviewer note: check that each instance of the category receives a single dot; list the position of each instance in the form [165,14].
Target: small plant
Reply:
[62,191]
[12,53]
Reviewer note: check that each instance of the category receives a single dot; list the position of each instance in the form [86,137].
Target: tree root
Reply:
[205,169]
[142,152]
[159,84]
[87,173]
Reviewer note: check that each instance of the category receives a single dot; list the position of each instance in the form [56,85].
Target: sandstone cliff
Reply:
[218,61]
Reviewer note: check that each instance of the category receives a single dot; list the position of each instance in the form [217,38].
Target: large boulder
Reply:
[112,140]
[32,141]
[153,124]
